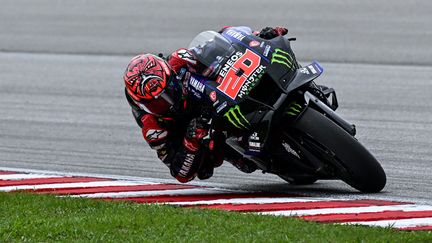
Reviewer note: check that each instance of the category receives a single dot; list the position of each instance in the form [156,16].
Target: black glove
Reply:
[270,32]
[196,131]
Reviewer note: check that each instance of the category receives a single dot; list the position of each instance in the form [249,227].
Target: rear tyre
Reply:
[354,163]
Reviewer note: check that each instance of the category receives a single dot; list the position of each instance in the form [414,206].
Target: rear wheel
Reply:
[352,162]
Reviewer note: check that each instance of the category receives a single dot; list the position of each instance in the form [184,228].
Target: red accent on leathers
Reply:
[191,146]
[152,132]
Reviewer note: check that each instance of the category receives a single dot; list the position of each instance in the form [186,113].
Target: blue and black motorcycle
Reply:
[274,114]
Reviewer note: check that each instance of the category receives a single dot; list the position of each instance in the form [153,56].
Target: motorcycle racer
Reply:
[170,123]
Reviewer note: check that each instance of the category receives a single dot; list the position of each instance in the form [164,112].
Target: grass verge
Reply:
[45,218]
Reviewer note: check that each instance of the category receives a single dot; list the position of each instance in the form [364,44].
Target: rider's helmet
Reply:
[149,83]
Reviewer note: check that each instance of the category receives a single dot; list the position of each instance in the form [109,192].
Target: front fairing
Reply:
[245,74]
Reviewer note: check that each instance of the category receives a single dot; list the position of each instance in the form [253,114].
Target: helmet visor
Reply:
[159,106]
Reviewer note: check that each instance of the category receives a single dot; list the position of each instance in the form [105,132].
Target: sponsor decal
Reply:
[318,67]
[312,69]
[196,84]
[213,96]
[266,50]
[304,70]
[283,58]
[235,34]
[262,44]
[251,81]
[186,55]
[254,43]
[187,164]
[254,143]
[236,118]
[153,135]
[227,66]
[221,107]
[236,71]
[293,109]
[290,150]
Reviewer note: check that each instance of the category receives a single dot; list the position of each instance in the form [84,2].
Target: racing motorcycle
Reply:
[274,114]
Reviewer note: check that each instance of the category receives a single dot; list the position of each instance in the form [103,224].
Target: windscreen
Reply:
[211,49]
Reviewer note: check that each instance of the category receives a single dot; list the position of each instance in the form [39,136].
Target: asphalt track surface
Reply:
[61,96]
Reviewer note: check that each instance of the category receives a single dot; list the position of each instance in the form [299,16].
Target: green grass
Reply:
[44,218]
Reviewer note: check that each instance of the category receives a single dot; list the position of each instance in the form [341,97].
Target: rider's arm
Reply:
[266,33]
[188,158]
[182,58]
[184,157]
[155,134]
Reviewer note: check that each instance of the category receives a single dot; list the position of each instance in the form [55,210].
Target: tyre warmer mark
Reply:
[400,215]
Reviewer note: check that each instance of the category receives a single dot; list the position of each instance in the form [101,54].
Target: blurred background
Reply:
[62,105]
[394,32]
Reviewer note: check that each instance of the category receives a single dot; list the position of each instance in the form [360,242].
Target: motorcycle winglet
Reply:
[305,75]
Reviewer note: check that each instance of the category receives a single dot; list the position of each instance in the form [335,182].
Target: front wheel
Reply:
[352,162]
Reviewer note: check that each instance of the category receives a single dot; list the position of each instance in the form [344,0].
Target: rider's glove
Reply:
[281,30]
[196,131]
[269,32]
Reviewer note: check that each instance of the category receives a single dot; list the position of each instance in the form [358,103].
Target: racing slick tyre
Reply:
[352,162]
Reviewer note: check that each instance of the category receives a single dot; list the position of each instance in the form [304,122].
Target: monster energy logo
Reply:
[236,118]
[293,109]
[282,57]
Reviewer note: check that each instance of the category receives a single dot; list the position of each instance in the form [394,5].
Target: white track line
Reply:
[193,191]
[27,176]
[72,185]
[367,209]
[116,177]
[396,223]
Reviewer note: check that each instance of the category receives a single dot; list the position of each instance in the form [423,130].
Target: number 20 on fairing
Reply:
[234,79]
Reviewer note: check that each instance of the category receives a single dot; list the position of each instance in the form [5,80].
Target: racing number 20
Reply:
[238,73]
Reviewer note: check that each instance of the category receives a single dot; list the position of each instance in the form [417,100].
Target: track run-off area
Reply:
[380,213]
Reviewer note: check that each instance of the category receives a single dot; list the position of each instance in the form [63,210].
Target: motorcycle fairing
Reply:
[254,66]
[305,75]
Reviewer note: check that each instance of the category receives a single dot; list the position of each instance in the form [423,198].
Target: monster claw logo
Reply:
[282,57]
[236,118]
[293,109]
